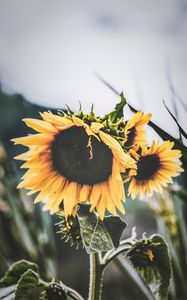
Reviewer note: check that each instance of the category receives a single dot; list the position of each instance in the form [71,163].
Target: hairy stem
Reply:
[96,277]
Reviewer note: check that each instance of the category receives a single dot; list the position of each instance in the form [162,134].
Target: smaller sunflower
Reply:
[134,132]
[155,168]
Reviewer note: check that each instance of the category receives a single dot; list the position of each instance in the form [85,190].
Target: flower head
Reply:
[69,229]
[134,131]
[155,168]
[71,161]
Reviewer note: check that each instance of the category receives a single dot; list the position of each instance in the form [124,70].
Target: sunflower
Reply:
[134,132]
[70,162]
[155,168]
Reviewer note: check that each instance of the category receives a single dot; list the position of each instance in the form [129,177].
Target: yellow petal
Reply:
[117,151]
[40,197]
[116,170]
[84,193]
[95,127]
[40,126]
[55,119]
[95,196]
[133,188]
[35,139]
[55,194]
[101,207]
[114,191]
[77,121]
[70,198]
[110,205]
[25,156]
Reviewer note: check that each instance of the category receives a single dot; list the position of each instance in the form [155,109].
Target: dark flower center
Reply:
[130,138]
[147,167]
[81,158]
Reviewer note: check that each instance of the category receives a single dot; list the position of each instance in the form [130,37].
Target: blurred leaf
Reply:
[99,235]
[15,271]
[25,231]
[182,194]
[181,130]
[151,259]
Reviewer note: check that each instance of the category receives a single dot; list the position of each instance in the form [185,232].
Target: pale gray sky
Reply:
[50,50]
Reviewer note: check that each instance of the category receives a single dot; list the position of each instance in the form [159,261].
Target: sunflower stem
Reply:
[96,277]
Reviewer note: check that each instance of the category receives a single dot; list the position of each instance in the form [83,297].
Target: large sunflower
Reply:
[71,162]
[155,168]
[134,132]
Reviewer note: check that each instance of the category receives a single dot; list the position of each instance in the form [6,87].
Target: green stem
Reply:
[96,277]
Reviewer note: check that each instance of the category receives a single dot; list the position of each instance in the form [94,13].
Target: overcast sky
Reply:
[51,49]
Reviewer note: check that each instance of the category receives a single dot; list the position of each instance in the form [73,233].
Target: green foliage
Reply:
[117,113]
[28,286]
[151,259]
[22,282]
[15,271]
[25,231]
[115,227]
[99,235]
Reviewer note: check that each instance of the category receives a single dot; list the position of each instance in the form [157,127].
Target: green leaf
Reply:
[117,113]
[99,235]
[115,227]
[28,286]
[15,271]
[151,259]
[22,282]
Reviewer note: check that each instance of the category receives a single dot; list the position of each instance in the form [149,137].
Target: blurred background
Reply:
[53,53]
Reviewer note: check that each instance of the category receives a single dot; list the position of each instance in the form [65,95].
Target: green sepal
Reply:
[98,236]
[150,257]
[117,113]
[69,111]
